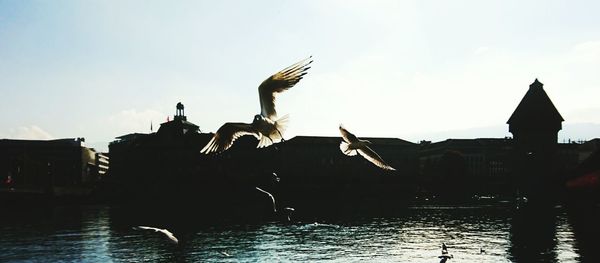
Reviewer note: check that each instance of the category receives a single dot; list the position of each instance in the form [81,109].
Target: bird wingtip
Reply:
[308,60]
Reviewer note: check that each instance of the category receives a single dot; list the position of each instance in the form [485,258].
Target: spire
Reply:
[535,111]
[536,85]
[179,113]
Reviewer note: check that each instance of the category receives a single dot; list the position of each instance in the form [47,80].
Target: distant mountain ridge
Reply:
[572,131]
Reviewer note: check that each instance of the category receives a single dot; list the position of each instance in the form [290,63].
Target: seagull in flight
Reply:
[167,233]
[270,196]
[352,145]
[266,126]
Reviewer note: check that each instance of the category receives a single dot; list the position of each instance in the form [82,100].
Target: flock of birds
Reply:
[268,128]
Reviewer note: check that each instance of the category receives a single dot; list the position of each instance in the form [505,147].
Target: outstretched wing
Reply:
[167,233]
[148,228]
[373,157]
[226,135]
[279,82]
[347,136]
[170,235]
[270,196]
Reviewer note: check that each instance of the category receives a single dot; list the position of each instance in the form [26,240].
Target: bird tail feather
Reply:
[345,147]
[264,141]
[281,124]
[276,135]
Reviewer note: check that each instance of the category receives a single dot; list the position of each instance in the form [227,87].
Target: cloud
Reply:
[32,132]
[587,51]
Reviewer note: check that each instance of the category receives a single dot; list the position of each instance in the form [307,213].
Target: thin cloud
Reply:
[32,132]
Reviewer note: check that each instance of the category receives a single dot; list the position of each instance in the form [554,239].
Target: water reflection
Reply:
[91,234]
[532,236]
[583,220]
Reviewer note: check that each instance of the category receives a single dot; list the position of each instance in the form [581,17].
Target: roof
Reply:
[337,140]
[131,136]
[178,126]
[50,143]
[535,111]
[476,143]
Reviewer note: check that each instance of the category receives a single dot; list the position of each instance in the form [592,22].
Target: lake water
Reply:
[89,234]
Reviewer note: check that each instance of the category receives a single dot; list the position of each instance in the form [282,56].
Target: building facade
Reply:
[56,167]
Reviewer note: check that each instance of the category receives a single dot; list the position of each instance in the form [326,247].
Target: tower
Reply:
[179,112]
[179,125]
[535,124]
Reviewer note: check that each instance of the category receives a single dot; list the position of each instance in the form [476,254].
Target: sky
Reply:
[415,70]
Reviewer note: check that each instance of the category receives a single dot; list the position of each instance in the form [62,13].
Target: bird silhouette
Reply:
[353,145]
[270,196]
[167,233]
[445,256]
[266,126]
[288,212]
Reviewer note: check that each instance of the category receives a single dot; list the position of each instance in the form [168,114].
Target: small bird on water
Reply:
[266,126]
[352,145]
[445,256]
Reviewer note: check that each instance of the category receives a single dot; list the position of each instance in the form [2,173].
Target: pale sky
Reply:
[416,70]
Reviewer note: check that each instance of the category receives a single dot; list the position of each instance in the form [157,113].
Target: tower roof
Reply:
[535,110]
[179,125]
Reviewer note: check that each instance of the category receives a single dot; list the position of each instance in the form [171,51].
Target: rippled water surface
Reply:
[87,234]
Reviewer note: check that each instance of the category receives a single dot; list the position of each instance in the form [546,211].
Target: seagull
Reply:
[271,196]
[275,178]
[288,212]
[352,145]
[167,233]
[266,126]
[445,256]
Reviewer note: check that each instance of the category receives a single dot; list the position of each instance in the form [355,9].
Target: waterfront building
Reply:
[314,171]
[158,163]
[54,167]
[532,162]
[458,167]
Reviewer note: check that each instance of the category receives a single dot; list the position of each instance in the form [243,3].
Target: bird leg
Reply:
[280,135]
[273,143]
